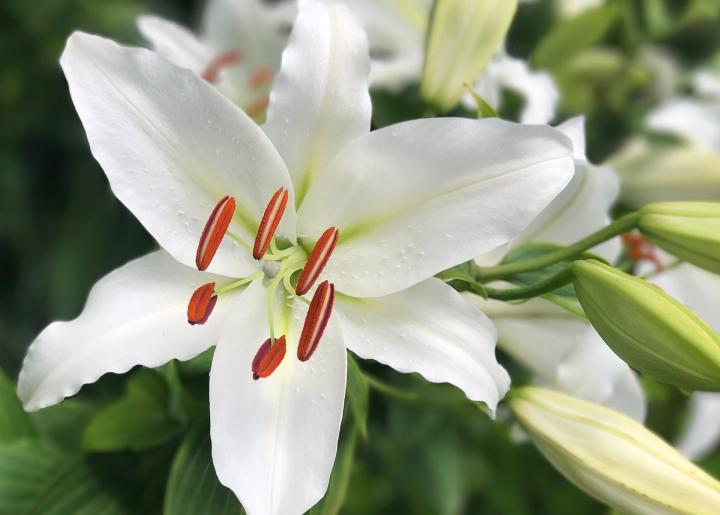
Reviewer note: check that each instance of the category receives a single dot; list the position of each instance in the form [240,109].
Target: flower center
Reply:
[640,249]
[278,266]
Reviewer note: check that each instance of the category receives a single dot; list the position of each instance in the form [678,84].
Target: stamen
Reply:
[640,249]
[316,320]
[201,304]
[257,107]
[317,260]
[270,221]
[213,69]
[260,77]
[214,231]
[268,357]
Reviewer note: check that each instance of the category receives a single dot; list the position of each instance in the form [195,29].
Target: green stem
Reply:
[619,226]
[382,387]
[547,285]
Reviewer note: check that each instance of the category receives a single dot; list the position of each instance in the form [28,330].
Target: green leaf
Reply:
[63,424]
[193,486]
[136,421]
[484,110]
[74,487]
[15,423]
[25,467]
[199,365]
[565,296]
[357,394]
[333,501]
[574,35]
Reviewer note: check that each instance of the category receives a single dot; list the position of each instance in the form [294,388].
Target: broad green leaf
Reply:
[199,365]
[193,487]
[357,394]
[74,487]
[14,422]
[25,468]
[334,499]
[63,424]
[138,420]
[574,35]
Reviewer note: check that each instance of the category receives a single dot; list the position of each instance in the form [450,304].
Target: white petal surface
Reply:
[416,198]
[175,43]
[136,315]
[320,99]
[565,354]
[584,205]
[429,329]
[172,146]
[701,433]
[274,440]
[696,121]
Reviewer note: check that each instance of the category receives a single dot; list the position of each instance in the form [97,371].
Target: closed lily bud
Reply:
[463,36]
[612,457]
[689,230]
[647,328]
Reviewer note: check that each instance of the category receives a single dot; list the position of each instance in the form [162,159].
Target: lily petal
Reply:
[584,205]
[565,354]
[274,439]
[175,43]
[413,199]
[701,433]
[320,99]
[136,315]
[429,329]
[172,146]
[693,120]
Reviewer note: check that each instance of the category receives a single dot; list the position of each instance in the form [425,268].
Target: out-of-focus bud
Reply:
[612,457]
[656,173]
[463,36]
[647,328]
[689,230]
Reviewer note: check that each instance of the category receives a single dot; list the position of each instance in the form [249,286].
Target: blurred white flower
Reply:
[237,48]
[382,211]
[563,352]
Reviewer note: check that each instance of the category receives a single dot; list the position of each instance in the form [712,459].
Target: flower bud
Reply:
[647,328]
[612,457]
[689,230]
[463,36]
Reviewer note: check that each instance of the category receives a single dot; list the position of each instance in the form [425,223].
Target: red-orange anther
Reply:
[213,69]
[257,106]
[214,231]
[270,221]
[317,260]
[268,357]
[316,320]
[201,304]
[260,77]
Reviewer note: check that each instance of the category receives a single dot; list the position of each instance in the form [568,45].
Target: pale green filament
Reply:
[239,283]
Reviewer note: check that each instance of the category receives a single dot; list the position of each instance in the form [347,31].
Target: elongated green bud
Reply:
[689,230]
[612,457]
[647,328]
[462,37]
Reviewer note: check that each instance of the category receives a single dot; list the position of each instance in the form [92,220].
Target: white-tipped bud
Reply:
[612,457]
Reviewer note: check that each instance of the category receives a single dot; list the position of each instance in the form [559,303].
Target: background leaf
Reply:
[14,422]
[357,395]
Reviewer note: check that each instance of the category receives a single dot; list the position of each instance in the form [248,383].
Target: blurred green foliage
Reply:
[139,443]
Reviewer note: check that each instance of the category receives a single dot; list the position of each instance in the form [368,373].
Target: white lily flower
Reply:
[563,352]
[699,290]
[571,8]
[237,49]
[383,210]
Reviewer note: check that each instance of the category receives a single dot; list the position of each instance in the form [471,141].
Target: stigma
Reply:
[214,231]
[268,357]
[317,260]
